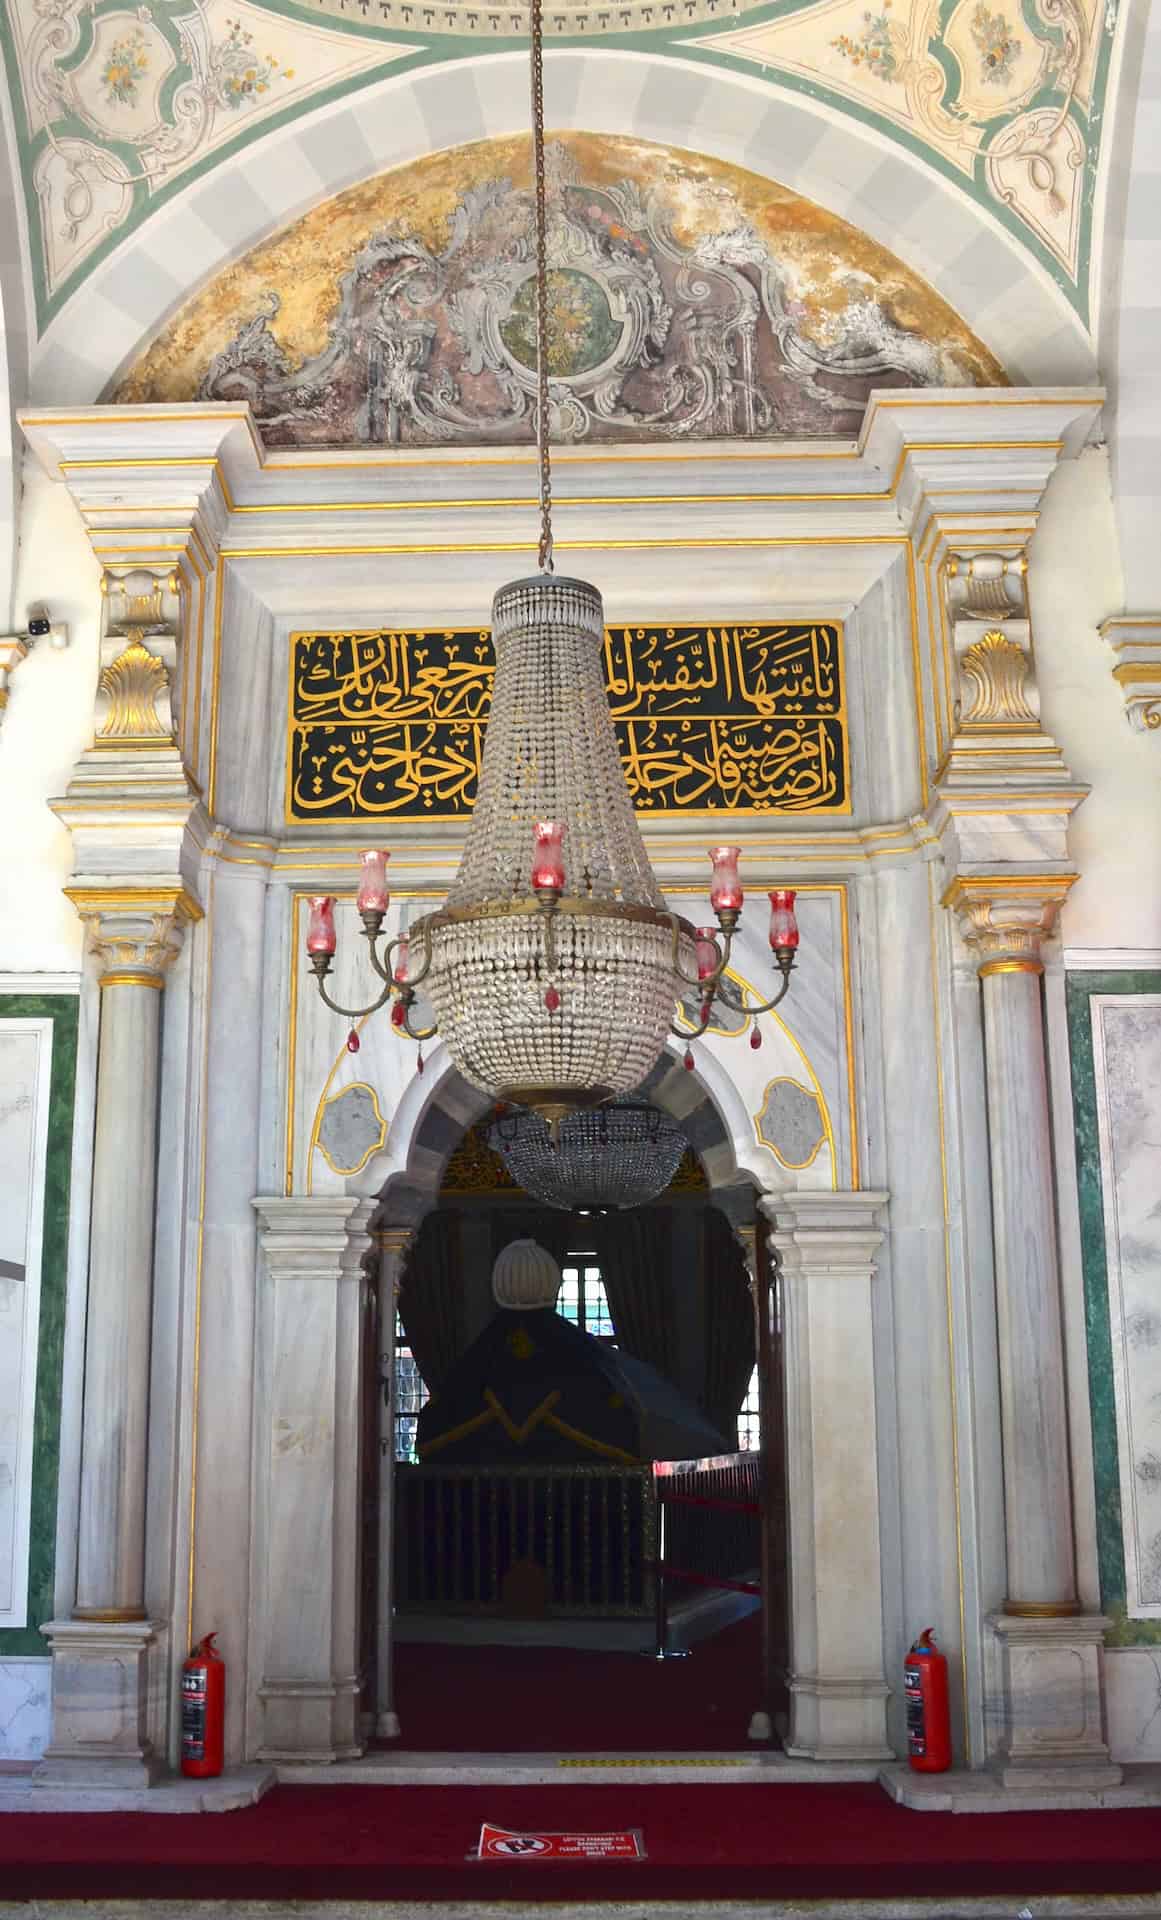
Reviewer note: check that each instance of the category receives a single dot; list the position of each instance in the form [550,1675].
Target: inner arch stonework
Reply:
[691,299]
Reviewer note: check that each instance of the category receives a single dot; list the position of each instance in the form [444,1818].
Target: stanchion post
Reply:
[662,1650]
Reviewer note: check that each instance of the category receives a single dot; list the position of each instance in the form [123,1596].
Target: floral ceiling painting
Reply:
[1007,96]
[689,300]
[116,106]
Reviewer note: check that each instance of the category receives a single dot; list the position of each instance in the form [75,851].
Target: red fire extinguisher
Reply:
[203,1710]
[928,1712]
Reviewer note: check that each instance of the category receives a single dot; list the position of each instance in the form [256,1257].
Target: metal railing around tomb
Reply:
[572,1539]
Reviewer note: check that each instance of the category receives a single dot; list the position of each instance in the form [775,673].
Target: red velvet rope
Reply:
[708,1500]
[701,1579]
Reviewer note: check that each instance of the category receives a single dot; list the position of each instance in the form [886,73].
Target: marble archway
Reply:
[823,1246]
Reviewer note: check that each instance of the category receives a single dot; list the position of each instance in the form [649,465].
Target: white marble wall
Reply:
[1133,1703]
[1127,1066]
[25,1065]
[25,1707]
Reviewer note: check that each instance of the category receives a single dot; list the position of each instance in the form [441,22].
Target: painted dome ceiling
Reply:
[689,299]
[116,107]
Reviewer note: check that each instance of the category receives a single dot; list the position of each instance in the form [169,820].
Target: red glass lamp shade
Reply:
[320,931]
[783,925]
[547,857]
[726,894]
[402,953]
[373,896]
[707,952]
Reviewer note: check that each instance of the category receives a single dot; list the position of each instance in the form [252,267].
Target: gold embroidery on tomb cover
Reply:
[746,718]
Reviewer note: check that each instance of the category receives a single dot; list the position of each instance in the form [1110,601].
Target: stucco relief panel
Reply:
[689,300]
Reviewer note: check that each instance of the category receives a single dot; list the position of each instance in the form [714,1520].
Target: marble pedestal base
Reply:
[1050,1672]
[838,1718]
[310,1720]
[100,1705]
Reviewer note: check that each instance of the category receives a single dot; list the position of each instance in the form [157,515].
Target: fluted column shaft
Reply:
[135,945]
[1037,1492]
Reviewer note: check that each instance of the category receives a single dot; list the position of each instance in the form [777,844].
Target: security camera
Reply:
[41,626]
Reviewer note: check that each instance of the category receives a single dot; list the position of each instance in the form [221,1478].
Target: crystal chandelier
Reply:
[554,967]
[618,1156]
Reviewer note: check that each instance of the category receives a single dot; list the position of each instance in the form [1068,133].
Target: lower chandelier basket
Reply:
[554,1009]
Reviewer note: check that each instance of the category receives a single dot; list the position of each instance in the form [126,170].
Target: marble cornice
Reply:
[169,478]
[826,1235]
[306,1236]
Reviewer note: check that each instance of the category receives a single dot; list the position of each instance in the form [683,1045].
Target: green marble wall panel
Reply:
[62,1010]
[1080,988]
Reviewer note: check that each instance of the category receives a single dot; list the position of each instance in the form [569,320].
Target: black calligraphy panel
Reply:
[713,719]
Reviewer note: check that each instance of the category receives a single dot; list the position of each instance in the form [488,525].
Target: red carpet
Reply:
[703,1842]
[557,1700]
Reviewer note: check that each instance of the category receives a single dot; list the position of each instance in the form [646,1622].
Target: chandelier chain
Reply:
[544,550]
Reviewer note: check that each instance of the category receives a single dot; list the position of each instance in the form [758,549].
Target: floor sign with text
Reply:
[496,1843]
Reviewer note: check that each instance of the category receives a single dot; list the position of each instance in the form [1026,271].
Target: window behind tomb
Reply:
[410,1396]
[749,1422]
[583,1299]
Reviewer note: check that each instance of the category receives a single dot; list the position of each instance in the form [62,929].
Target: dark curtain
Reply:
[431,1299]
[633,1251]
[729,1324]
[548,1227]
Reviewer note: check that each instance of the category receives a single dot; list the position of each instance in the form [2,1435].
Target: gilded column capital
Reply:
[1005,918]
[1135,639]
[134,931]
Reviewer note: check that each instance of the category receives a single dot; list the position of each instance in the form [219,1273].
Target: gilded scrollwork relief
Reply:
[988,615]
[999,671]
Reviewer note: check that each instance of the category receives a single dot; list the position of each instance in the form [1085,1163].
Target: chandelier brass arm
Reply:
[784,958]
[321,963]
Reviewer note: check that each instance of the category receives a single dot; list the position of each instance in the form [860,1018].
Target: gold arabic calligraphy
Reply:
[723,719]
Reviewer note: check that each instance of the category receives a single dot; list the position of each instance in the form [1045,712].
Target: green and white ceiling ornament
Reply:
[116,108]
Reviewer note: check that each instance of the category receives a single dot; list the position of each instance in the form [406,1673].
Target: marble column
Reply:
[308,1471]
[101,1656]
[1049,1650]
[393,1244]
[825,1244]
